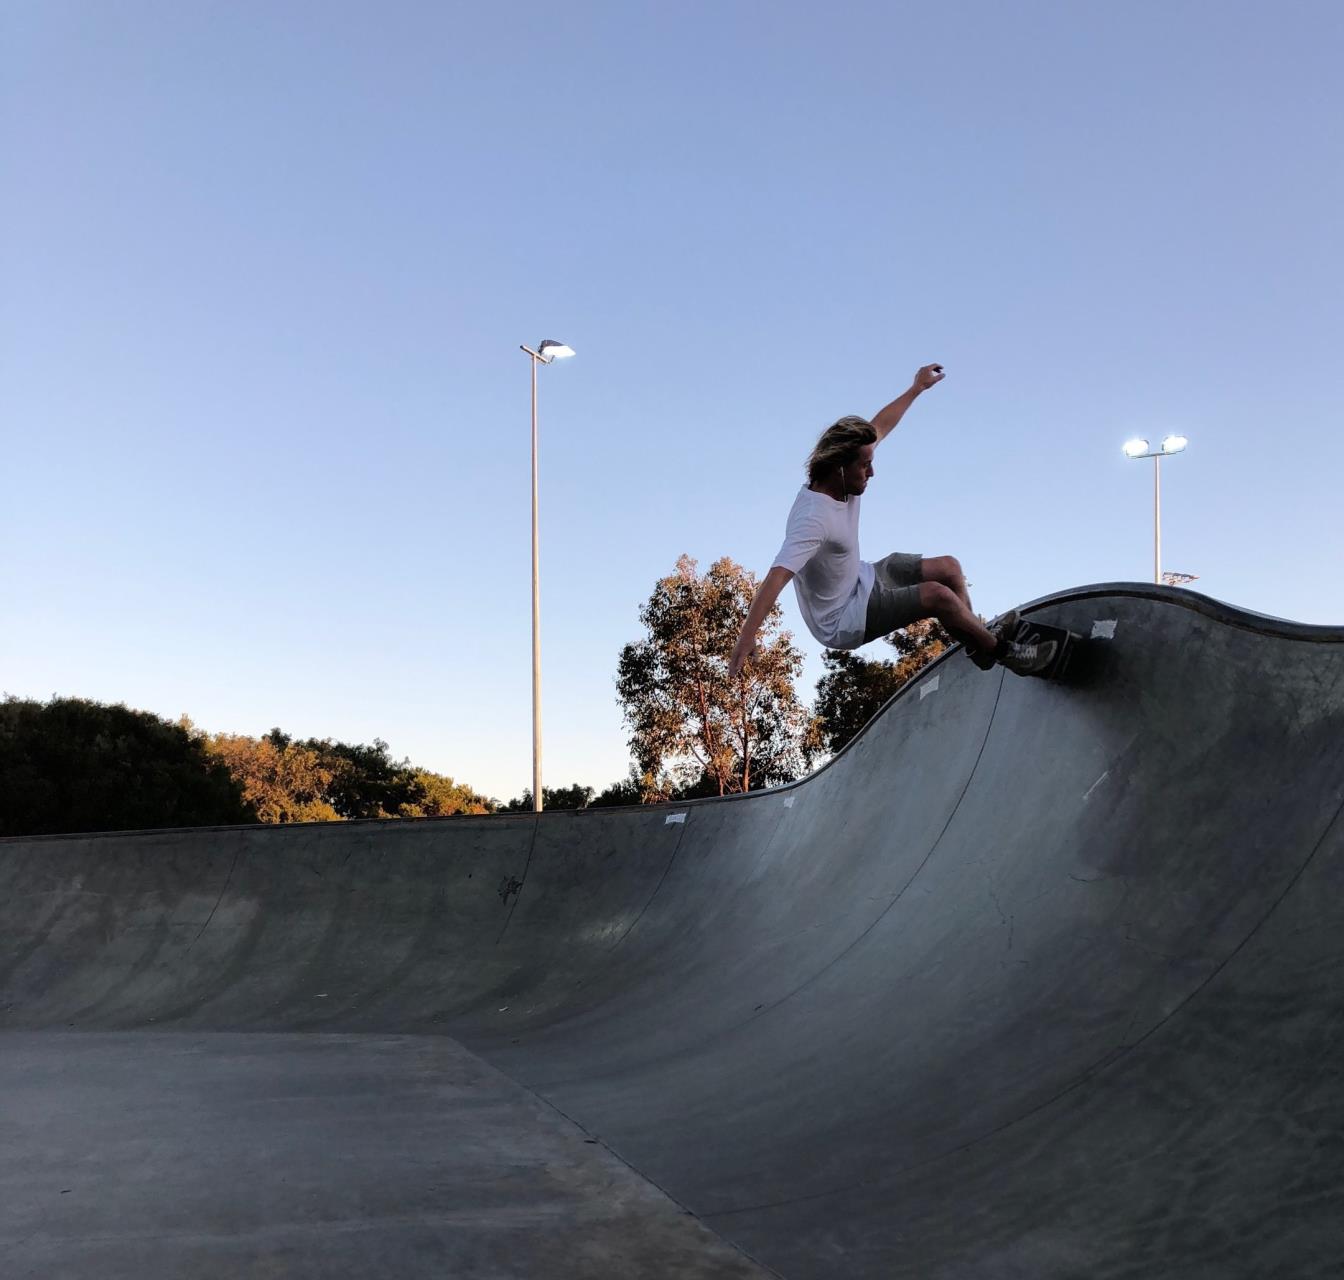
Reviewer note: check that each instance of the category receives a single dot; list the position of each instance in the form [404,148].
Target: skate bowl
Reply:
[1034,979]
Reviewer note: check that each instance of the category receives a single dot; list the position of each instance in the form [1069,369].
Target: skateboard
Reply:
[1034,631]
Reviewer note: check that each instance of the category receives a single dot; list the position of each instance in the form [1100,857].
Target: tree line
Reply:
[71,764]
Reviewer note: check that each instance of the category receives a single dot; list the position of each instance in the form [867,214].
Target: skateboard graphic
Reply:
[1034,631]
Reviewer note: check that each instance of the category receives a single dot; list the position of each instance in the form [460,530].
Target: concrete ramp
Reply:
[1033,980]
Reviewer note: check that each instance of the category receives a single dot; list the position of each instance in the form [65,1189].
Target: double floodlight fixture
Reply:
[1139,448]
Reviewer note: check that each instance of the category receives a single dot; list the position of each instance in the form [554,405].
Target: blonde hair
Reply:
[839,446]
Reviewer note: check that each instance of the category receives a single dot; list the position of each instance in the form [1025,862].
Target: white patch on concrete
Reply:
[1087,795]
[788,802]
[929,686]
[674,817]
[1103,629]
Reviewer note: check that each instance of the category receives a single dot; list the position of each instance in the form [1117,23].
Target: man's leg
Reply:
[947,570]
[983,647]
[943,603]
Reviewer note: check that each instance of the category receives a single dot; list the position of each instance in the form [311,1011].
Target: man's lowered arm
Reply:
[761,603]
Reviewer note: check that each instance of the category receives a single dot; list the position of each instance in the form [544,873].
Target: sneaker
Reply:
[982,660]
[1029,659]
[1006,623]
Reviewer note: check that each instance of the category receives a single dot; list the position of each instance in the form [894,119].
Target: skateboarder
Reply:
[845,601]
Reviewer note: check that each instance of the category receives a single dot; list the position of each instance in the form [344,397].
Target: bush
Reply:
[72,765]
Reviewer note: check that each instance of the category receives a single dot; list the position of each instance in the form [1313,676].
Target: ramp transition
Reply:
[1034,979]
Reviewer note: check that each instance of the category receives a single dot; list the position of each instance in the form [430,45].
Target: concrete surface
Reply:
[214,1155]
[1034,980]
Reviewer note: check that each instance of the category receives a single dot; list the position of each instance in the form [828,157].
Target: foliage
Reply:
[318,780]
[629,790]
[365,781]
[850,694]
[691,726]
[440,797]
[282,783]
[72,765]
[854,689]
[573,797]
[919,644]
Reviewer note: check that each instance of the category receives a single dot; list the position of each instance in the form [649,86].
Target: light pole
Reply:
[1138,449]
[544,354]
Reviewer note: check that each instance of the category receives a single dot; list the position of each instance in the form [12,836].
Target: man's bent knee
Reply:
[943,569]
[938,599]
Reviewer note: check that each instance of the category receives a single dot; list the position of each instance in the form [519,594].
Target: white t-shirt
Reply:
[821,547]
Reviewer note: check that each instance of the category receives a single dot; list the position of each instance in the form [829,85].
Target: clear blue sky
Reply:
[266,267]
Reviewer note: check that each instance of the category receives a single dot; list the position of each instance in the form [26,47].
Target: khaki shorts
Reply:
[894,602]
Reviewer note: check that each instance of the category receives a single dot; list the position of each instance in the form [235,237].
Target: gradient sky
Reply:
[266,267]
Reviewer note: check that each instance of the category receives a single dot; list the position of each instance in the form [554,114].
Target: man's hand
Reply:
[885,420]
[928,376]
[739,659]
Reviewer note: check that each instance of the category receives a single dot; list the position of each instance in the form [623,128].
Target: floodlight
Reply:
[1135,448]
[544,354]
[1174,444]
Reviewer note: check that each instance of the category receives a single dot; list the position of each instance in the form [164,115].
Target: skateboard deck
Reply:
[1034,631]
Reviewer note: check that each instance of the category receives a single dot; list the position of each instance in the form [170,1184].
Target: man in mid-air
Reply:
[845,601]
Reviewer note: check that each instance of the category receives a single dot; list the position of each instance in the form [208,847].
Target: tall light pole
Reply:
[544,354]
[1138,449]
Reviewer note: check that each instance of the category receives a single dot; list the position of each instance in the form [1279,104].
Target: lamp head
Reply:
[1174,444]
[552,350]
[1135,448]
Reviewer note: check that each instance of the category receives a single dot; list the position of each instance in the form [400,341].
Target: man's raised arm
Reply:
[885,421]
[761,603]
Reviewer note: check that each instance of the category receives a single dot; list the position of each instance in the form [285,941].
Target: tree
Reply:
[72,765]
[629,790]
[855,689]
[282,780]
[318,780]
[365,781]
[441,797]
[691,726]
[572,797]
[919,644]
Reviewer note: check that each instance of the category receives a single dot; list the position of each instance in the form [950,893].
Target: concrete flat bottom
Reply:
[145,1155]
